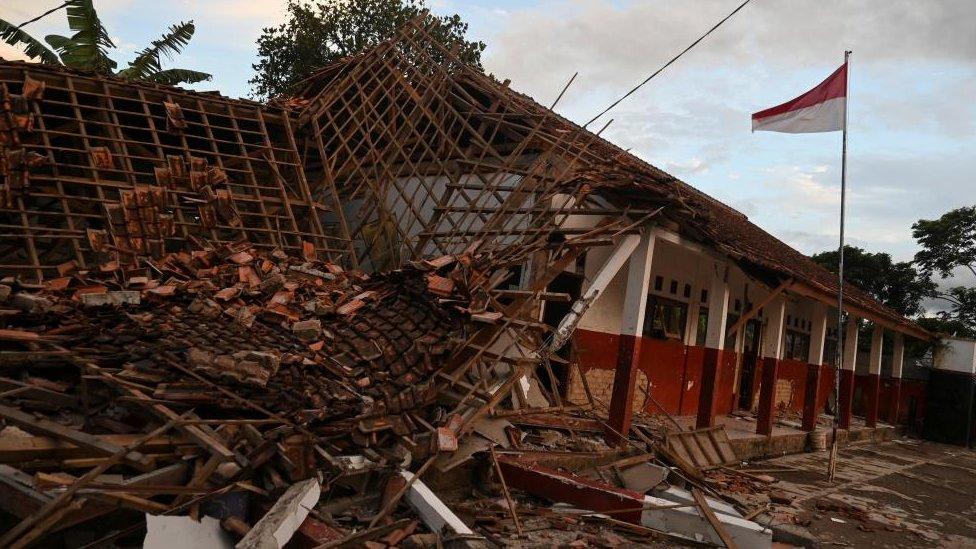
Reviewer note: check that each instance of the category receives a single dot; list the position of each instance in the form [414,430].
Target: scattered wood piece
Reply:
[278,525]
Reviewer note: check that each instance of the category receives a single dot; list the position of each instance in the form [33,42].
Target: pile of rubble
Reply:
[226,396]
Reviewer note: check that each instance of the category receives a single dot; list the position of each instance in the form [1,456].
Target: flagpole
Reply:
[839,358]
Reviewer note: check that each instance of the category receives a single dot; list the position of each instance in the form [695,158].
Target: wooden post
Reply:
[718,309]
[846,373]
[631,330]
[772,345]
[818,335]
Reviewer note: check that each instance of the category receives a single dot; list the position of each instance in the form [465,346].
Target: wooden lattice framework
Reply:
[399,154]
[428,156]
[98,142]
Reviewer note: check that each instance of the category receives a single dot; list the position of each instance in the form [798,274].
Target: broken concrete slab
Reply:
[643,476]
[691,523]
[658,513]
[679,495]
[494,429]
[29,303]
[122,297]
[279,524]
[435,514]
[167,532]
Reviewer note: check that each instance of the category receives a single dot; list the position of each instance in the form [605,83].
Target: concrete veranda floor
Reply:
[787,437]
[900,493]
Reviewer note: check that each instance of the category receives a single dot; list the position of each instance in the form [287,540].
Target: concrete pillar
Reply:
[718,309]
[873,387]
[818,335]
[691,326]
[846,373]
[631,329]
[772,345]
[897,363]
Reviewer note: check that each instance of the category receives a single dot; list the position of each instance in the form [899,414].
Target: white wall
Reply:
[674,261]
[959,355]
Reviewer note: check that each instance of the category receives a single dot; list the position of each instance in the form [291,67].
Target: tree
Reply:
[949,244]
[87,49]
[898,285]
[320,33]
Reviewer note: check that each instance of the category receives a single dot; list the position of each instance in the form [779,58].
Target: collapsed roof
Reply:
[399,153]
[281,284]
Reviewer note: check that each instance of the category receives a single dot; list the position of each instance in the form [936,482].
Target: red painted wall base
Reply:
[811,399]
[871,391]
[894,399]
[846,404]
[677,377]
[624,382]
[767,397]
[711,366]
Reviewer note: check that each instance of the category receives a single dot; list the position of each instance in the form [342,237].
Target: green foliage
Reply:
[898,285]
[946,326]
[948,242]
[149,61]
[960,317]
[87,49]
[171,77]
[319,33]
[34,49]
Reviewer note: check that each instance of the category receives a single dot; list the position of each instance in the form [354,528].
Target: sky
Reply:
[912,139]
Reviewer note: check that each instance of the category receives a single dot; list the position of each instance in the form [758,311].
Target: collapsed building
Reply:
[403,266]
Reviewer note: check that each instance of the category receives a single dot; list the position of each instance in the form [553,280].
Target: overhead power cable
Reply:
[43,15]
[668,64]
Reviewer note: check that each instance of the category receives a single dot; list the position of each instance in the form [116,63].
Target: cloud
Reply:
[20,11]
[617,43]
[692,166]
[913,136]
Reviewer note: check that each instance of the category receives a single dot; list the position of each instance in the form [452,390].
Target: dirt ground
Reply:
[903,493]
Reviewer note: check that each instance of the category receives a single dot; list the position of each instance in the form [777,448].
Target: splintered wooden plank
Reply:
[200,434]
[34,526]
[708,448]
[678,448]
[694,450]
[721,440]
[20,449]
[709,515]
[49,428]
[37,393]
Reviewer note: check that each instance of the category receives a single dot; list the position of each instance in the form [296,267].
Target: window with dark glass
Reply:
[797,345]
[730,319]
[830,351]
[702,332]
[665,318]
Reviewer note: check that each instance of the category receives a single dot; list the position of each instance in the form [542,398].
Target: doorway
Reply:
[567,283]
[752,336]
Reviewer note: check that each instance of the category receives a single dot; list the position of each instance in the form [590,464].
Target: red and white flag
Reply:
[821,109]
